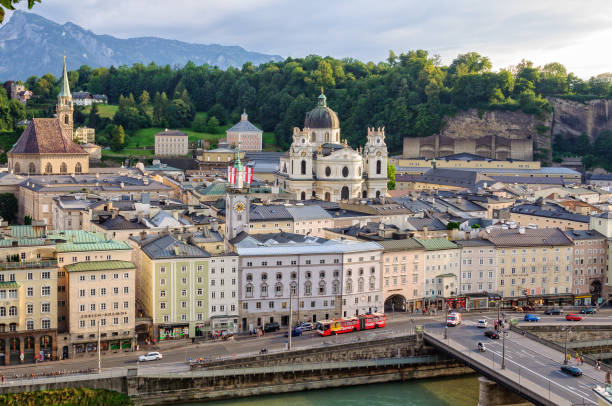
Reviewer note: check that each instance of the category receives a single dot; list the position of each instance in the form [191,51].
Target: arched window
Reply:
[17,167]
[345,172]
[327,197]
[378,194]
[303,196]
[308,288]
[31,168]
[249,277]
[78,168]
[49,168]
[326,137]
[285,167]
[322,289]
[278,289]
[13,311]
[303,167]
[349,286]
[264,276]
[66,119]
[378,167]
[360,285]
[313,137]
[293,288]
[344,193]
[2,311]
[335,287]
[327,171]
[63,168]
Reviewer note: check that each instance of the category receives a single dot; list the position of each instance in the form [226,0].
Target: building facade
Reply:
[245,135]
[589,267]
[478,267]
[223,290]
[442,265]
[171,143]
[320,165]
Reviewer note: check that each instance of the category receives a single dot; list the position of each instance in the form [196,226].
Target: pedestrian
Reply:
[581,359]
[607,378]
[598,365]
[2,377]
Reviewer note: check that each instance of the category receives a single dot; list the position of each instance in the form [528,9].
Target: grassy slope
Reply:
[104,110]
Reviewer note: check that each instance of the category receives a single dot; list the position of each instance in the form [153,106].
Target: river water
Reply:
[459,391]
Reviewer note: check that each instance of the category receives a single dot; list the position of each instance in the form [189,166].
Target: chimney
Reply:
[214,225]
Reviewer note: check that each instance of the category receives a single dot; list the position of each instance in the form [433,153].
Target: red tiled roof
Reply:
[45,136]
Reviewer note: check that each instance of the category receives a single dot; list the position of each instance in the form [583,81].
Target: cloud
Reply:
[570,32]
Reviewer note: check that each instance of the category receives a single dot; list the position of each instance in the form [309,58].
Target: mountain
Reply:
[32,45]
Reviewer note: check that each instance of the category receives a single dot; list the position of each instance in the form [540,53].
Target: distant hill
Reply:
[32,45]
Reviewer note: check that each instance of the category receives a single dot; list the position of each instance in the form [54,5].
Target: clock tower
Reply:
[237,202]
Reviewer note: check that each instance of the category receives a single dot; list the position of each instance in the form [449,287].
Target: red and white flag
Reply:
[231,175]
[248,174]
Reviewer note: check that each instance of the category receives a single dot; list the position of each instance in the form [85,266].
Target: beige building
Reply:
[418,166]
[403,280]
[46,145]
[533,263]
[84,135]
[442,265]
[94,151]
[478,267]
[245,135]
[171,143]
[101,299]
[28,300]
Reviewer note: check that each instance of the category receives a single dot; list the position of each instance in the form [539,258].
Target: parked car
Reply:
[482,324]
[553,311]
[296,332]
[306,326]
[573,317]
[588,310]
[531,317]
[150,356]
[271,327]
[571,370]
[491,334]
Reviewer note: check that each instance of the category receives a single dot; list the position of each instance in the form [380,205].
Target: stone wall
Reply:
[573,118]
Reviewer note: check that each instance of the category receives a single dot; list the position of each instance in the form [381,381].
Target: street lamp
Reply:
[567,331]
[503,364]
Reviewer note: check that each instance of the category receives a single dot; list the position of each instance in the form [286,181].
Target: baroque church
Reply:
[320,165]
[46,145]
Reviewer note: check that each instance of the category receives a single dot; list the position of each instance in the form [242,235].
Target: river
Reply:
[458,391]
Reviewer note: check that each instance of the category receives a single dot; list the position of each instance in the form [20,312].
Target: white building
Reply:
[171,143]
[319,164]
[478,267]
[442,265]
[223,293]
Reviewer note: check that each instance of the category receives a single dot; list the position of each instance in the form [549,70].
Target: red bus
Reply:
[350,324]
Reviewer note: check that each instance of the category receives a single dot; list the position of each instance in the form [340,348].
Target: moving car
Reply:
[296,332]
[306,326]
[571,370]
[588,310]
[491,334]
[150,356]
[453,319]
[482,324]
[271,327]
[553,311]
[531,317]
[573,317]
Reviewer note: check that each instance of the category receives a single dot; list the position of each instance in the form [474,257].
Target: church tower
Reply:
[64,107]
[237,203]
[375,157]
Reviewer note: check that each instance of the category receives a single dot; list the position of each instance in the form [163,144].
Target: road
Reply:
[530,360]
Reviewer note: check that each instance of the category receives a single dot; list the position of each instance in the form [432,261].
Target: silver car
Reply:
[150,356]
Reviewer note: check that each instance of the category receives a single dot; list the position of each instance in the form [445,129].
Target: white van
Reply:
[453,319]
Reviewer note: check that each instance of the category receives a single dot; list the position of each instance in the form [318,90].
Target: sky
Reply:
[576,33]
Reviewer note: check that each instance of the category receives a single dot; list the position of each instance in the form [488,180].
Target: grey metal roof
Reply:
[550,211]
[300,213]
[476,242]
[327,247]
[400,245]
[584,235]
[528,238]
[244,127]
[269,212]
[421,223]
[168,247]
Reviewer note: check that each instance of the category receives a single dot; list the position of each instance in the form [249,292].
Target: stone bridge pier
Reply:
[493,394]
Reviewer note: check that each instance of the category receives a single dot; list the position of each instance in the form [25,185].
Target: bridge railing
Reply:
[62,376]
[588,359]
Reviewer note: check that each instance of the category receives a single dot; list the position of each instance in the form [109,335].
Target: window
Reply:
[82,323]
[162,305]
[46,291]
[13,311]
[29,292]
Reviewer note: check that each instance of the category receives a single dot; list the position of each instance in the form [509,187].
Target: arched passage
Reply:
[327,197]
[396,303]
[344,193]
[303,196]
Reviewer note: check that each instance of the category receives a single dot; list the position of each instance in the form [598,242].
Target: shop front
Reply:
[173,332]
[583,300]
[106,346]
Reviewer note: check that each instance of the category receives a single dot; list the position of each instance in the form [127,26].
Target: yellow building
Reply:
[418,166]
[533,264]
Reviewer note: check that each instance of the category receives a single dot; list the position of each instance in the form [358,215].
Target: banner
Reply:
[248,174]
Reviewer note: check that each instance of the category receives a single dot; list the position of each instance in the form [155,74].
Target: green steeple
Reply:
[65,87]
[322,99]
[237,162]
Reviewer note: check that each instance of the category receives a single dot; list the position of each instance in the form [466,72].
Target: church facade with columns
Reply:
[320,165]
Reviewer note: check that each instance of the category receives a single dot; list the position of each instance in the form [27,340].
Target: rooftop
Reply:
[167,247]
[174,133]
[400,245]
[99,266]
[435,244]
[528,237]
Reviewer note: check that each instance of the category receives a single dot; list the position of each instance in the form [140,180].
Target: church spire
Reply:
[65,86]
[322,99]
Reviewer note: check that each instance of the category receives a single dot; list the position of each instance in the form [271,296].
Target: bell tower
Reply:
[237,202]
[64,108]
[375,158]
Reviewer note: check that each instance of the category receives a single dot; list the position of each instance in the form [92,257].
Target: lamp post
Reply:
[290,317]
[99,355]
[567,331]
[503,364]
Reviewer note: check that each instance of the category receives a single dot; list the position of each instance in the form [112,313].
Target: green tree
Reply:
[199,123]
[144,98]
[179,114]
[390,176]
[9,206]
[94,117]
[27,220]
[118,138]
[213,125]
[9,5]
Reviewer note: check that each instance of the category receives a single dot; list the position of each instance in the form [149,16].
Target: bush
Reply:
[67,397]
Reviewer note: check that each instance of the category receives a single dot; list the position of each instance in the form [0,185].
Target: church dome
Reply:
[321,116]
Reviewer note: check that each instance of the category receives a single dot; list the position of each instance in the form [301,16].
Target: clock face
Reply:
[239,207]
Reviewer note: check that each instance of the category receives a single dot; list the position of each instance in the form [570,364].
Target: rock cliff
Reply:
[573,118]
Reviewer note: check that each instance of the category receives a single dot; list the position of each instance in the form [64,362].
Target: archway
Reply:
[49,168]
[303,196]
[595,290]
[78,168]
[63,168]
[2,352]
[344,193]
[31,168]
[14,350]
[28,352]
[327,197]
[396,303]
[364,194]
[303,167]
[46,344]
[17,168]
[377,194]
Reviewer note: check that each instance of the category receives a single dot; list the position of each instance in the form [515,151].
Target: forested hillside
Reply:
[410,93]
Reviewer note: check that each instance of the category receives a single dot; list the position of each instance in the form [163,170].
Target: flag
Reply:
[248,174]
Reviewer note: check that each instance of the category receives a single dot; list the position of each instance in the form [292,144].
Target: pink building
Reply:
[589,267]
[245,133]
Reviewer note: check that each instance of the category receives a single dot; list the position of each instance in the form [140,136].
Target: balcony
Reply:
[50,263]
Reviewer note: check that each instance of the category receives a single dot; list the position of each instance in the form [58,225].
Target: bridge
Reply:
[521,363]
